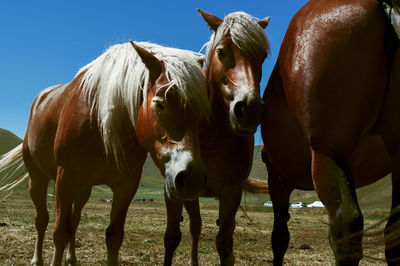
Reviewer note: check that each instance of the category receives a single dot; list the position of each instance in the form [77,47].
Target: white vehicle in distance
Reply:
[298,205]
[268,203]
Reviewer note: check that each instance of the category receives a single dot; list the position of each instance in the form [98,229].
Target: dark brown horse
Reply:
[234,58]
[333,119]
[98,128]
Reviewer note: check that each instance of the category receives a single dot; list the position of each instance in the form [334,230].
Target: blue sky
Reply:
[43,43]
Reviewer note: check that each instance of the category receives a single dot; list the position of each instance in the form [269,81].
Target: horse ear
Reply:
[263,22]
[212,20]
[155,66]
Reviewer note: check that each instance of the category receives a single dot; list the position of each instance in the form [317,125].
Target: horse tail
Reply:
[256,186]
[12,169]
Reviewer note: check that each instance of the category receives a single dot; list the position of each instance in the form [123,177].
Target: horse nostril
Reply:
[180,180]
[238,109]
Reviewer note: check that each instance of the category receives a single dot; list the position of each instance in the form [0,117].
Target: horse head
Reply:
[169,131]
[234,58]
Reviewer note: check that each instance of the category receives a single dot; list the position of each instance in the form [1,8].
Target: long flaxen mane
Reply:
[245,33]
[115,86]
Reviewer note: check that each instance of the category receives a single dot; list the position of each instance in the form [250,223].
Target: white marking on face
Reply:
[178,160]
[242,92]
[244,86]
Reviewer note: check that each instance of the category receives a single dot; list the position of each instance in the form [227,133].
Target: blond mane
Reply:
[116,83]
[245,33]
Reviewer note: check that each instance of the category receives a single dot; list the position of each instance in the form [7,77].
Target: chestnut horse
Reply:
[234,58]
[332,119]
[98,128]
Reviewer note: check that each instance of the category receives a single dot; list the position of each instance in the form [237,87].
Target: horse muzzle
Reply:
[185,178]
[246,115]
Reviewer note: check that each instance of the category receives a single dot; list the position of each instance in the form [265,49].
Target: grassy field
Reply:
[143,244]
[145,225]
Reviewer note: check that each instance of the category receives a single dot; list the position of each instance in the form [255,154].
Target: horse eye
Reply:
[220,52]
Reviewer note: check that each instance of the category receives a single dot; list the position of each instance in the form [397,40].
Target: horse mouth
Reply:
[245,132]
[172,193]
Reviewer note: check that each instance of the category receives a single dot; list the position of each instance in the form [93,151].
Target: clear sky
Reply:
[43,43]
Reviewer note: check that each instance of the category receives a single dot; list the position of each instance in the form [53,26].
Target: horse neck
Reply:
[219,111]
[218,127]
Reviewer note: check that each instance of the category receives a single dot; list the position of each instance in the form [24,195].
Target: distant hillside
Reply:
[8,141]
[375,196]
[258,169]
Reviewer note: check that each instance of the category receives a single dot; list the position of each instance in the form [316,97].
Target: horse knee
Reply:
[348,221]
[41,221]
[195,228]
[61,236]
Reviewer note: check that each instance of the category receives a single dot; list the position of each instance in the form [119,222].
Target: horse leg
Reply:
[80,200]
[280,195]
[392,229]
[229,204]
[337,193]
[122,197]
[173,233]
[193,209]
[391,133]
[38,193]
[64,191]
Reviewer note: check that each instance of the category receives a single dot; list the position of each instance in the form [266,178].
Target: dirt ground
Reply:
[145,225]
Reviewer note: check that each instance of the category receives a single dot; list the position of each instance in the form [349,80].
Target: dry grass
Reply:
[143,243]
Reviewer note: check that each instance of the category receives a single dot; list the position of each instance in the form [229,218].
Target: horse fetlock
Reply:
[392,240]
[70,258]
[37,260]
[224,247]
[228,260]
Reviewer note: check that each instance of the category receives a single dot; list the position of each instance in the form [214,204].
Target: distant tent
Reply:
[316,204]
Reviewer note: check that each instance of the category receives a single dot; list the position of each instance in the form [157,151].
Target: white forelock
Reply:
[116,83]
[244,32]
